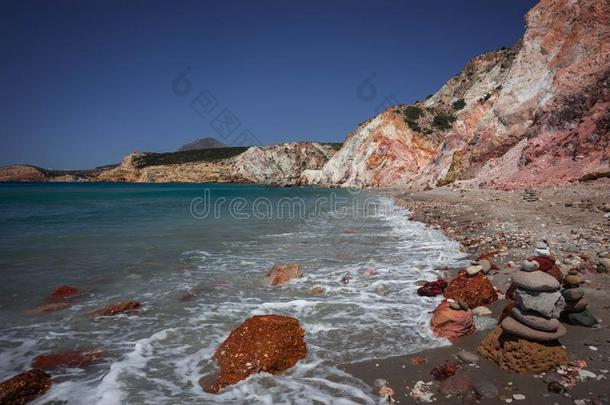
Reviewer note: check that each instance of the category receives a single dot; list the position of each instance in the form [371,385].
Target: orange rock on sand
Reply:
[450,323]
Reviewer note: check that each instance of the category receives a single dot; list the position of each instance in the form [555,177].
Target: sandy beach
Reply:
[573,221]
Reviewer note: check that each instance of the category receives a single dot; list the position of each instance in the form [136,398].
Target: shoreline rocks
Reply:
[432,288]
[117,308]
[451,323]
[64,292]
[283,273]
[475,290]
[74,359]
[530,326]
[24,387]
[269,343]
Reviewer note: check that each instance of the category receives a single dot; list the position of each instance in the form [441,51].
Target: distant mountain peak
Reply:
[203,143]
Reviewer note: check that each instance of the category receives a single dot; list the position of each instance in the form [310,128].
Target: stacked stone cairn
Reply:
[538,305]
[576,312]
[527,339]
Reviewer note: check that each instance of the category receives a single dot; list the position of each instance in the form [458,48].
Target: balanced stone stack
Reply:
[576,312]
[538,305]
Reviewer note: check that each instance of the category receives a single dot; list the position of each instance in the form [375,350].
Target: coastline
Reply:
[506,225]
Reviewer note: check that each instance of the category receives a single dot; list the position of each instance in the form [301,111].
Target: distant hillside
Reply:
[204,143]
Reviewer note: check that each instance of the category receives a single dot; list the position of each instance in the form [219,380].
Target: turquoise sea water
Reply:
[155,242]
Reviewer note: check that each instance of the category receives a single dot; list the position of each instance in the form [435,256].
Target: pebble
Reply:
[573,294]
[579,402]
[529,265]
[485,389]
[602,254]
[541,245]
[518,397]
[463,304]
[585,374]
[454,305]
[472,270]
[481,311]
[593,348]
[542,252]
[485,265]
[572,279]
[467,357]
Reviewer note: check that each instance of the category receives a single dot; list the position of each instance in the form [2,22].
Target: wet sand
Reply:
[507,225]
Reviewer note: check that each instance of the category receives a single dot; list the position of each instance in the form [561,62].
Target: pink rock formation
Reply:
[536,114]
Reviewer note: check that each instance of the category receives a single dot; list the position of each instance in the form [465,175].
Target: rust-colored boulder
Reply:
[282,273]
[74,359]
[24,387]
[46,308]
[117,308]
[547,264]
[63,293]
[452,324]
[521,355]
[269,343]
[474,290]
[432,288]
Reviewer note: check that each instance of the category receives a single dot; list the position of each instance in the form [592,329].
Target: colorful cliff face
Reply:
[536,114]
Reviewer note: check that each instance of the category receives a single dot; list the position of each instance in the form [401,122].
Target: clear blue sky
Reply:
[83,83]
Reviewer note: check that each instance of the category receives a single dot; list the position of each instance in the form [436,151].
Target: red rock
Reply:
[451,324]
[117,308]
[445,371]
[475,290]
[24,387]
[63,293]
[547,264]
[46,308]
[432,288]
[269,343]
[282,273]
[66,359]
[521,355]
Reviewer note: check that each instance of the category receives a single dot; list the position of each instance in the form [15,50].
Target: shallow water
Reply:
[151,243]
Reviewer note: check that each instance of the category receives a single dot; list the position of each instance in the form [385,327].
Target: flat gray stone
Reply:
[573,294]
[548,304]
[535,281]
[516,328]
[534,320]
